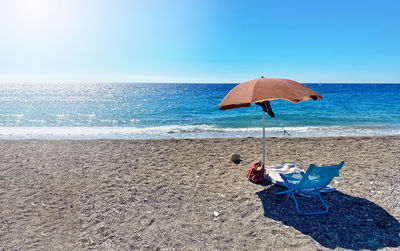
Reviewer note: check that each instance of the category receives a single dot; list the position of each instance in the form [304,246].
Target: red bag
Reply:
[255,172]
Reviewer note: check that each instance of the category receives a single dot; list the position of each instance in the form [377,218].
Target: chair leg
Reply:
[323,202]
[284,192]
[292,195]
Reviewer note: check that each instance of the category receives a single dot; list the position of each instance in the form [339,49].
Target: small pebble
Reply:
[216,213]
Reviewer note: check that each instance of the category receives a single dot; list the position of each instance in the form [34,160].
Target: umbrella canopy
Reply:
[266,89]
[263,90]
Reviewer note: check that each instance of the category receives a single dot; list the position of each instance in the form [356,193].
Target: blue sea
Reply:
[159,111]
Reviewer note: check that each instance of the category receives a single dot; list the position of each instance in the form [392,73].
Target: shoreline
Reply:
[394,137]
[162,194]
[191,132]
[204,138]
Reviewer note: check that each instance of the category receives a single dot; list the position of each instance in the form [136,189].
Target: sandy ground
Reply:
[163,195]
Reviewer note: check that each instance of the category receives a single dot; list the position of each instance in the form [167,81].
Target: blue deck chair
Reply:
[310,183]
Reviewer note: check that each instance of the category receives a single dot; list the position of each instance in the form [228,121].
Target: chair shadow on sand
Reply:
[351,223]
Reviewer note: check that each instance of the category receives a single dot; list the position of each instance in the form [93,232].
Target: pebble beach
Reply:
[188,195]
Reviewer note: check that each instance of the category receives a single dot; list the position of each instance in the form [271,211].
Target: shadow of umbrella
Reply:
[351,223]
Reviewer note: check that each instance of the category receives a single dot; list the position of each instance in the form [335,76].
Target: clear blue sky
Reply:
[199,41]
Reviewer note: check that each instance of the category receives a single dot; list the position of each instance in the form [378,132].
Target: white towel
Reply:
[272,175]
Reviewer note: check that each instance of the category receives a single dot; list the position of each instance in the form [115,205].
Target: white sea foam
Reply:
[186,131]
[12,115]
[86,115]
[60,115]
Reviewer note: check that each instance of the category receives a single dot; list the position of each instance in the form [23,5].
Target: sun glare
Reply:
[34,18]
[35,14]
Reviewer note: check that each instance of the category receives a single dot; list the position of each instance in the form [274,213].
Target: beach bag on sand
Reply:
[255,172]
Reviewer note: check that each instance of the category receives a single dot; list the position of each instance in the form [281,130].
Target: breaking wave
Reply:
[190,131]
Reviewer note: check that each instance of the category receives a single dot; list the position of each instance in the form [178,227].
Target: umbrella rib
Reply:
[252,93]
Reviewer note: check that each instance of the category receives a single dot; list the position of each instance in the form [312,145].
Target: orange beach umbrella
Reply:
[261,91]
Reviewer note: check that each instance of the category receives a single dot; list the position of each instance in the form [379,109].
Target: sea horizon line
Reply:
[191,83]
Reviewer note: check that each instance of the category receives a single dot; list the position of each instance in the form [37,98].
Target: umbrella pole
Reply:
[264,138]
